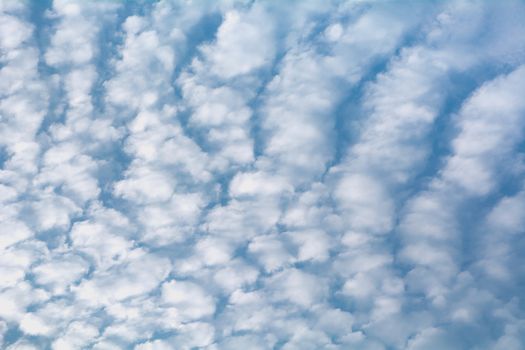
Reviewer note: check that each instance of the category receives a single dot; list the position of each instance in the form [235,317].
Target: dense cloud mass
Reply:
[262,175]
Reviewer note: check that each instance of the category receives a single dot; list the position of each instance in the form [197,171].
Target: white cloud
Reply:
[298,287]
[14,231]
[474,164]
[54,212]
[311,244]
[235,276]
[244,42]
[172,221]
[181,175]
[154,345]
[366,202]
[14,32]
[194,335]
[138,274]
[431,217]
[270,252]
[59,273]
[96,240]
[190,301]
[145,185]
[245,342]
[258,184]
[33,325]
[23,94]
[432,338]
[22,345]
[14,300]
[78,334]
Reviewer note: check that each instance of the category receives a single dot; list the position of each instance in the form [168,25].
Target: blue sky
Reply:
[262,175]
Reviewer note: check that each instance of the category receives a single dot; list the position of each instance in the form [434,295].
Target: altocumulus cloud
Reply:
[262,175]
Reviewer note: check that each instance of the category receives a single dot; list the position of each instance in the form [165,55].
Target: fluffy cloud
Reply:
[250,174]
[190,301]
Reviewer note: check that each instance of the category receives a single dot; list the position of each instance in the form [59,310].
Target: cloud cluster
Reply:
[262,175]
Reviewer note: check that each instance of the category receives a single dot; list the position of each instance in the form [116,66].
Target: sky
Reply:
[262,175]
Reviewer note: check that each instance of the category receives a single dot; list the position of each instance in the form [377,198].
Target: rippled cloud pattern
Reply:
[262,175]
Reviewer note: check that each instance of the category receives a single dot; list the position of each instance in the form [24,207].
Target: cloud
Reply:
[250,174]
[139,274]
[244,42]
[60,273]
